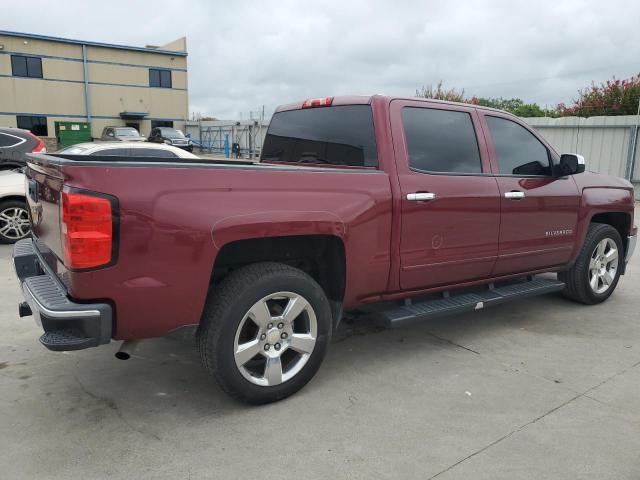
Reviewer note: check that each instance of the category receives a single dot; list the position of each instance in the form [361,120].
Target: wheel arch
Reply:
[13,198]
[322,256]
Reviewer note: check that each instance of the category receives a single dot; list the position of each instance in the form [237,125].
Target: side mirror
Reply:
[570,164]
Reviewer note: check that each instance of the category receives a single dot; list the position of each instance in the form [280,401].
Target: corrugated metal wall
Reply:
[605,142]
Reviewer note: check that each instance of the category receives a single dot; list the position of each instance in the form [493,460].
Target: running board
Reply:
[451,305]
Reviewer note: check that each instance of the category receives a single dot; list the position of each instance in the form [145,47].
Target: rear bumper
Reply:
[67,325]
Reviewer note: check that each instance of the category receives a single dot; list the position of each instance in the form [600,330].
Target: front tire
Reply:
[596,272]
[264,332]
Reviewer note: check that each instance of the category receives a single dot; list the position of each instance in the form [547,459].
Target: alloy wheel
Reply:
[275,339]
[603,265]
[14,223]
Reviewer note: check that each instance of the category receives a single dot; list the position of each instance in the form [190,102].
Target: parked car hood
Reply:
[11,183]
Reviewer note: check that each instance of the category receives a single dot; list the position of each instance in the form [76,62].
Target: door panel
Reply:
[539,212]
[452,235]
[452,238]
[538,230]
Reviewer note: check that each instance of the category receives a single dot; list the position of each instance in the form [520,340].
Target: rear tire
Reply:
[264,332]
[596,272]
[14,221]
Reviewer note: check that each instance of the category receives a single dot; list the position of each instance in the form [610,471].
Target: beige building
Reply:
[48,79]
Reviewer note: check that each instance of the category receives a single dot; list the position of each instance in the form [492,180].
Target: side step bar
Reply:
[451,305]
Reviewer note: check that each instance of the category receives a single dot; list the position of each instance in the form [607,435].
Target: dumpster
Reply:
[70,133]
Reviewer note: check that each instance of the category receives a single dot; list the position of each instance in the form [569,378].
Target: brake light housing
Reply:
[40,147]
[89,228]
[317,102]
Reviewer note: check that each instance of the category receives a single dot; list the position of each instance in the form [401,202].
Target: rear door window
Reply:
[441,141]
[341,135]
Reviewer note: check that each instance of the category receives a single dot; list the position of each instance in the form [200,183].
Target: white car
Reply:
[14,219]
[128,149]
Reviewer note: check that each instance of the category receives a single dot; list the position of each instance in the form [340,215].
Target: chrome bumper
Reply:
[631,246]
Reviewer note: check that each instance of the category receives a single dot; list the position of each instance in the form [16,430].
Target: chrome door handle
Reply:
[514,195]
[420,197]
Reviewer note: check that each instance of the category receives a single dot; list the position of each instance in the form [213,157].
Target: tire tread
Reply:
[220,299]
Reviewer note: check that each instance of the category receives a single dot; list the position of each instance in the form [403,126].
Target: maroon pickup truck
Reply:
[410,208]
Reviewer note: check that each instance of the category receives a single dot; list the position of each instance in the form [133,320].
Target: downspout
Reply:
[87,100]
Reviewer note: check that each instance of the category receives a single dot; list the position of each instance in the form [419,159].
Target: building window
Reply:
[161,123]
[22,66]
[159,78]
[36,125]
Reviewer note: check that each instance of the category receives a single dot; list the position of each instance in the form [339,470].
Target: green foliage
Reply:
[511,105]
[613,97]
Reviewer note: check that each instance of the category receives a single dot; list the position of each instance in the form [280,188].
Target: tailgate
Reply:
[44,186]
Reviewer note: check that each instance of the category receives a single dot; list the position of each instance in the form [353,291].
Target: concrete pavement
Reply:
[542,388]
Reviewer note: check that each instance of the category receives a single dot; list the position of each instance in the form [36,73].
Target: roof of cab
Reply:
[366,99]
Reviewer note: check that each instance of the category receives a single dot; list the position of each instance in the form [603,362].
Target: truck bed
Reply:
[175,217]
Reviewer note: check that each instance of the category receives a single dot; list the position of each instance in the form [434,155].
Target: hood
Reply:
[594,179]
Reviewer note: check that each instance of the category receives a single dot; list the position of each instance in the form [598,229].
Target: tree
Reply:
[613,97]
[512,105]
[438,93]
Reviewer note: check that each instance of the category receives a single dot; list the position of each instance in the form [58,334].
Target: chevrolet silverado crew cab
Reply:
[410,208]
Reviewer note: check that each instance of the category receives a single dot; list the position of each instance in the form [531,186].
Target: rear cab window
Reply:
[334,135]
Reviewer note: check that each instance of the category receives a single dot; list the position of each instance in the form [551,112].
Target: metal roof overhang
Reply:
[133,115]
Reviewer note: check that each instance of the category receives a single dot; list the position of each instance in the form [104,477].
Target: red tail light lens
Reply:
[40,147]
[318,102]
[87,230]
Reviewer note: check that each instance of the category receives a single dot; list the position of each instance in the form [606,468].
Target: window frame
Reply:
[400,141]
[26,59]
[159,72]
[31,117]
[552,156]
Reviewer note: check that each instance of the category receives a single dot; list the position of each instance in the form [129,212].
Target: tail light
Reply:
[318,102]
[40,147]
[88,229]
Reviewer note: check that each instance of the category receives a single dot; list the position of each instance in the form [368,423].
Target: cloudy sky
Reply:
[243,55]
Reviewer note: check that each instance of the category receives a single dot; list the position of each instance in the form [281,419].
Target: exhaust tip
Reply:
[122,355]
[126,349]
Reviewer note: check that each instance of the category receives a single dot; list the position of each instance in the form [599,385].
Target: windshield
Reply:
[171,133]
[127,132]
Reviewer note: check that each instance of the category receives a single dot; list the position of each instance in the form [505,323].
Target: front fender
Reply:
[597,200]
